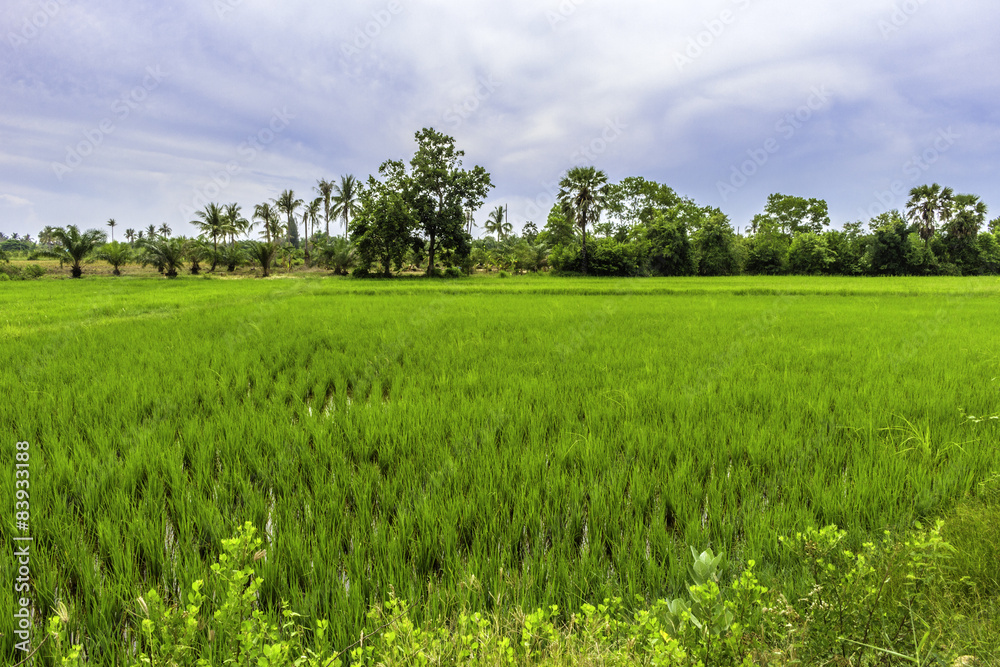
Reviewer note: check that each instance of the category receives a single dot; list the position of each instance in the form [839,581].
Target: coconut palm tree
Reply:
[263,254]
[495,224]
[130,235]
[582,192]
[45,236]
[234,222]
[212,223]
[73,247]
[325,190]
[165,230]
[165,253]
[287,203]
[310,218]
[929,205]
[112,224]
[266,214]
[150,232]
[345,199]
[116,254]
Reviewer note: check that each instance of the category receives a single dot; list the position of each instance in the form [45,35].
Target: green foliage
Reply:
[116,253]
[73,246]
[810,254]
[714,244]
[767,254]
[166,254]
[385,225]
[439,192]
[669,248]
[22,272]
[790,215]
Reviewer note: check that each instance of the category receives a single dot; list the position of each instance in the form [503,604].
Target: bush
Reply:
[29,272]
[453,272]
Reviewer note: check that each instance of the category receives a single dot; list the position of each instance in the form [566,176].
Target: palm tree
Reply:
[73,247]
[968,215]
[287,203]
[495,224]
[234,221]
[198,251]
[130,235]
[116,254]
[266,214]
[311,217]
[582,192]
[112,224]
[45,236]
[345,199]
[232,256]
[211,221]
[151,232]
[165,253]
[928,205]
[469,220]
[338,255]
[325,190]
[263,254]
[165,230]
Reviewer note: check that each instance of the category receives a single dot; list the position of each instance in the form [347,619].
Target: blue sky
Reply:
[142,111]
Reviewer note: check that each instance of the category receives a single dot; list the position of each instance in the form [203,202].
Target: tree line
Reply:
[420,217]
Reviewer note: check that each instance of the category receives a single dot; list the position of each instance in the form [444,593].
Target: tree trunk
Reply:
[77,271]
[584,251]
[430,257]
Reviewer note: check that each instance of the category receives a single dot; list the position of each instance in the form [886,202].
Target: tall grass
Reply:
[559,441]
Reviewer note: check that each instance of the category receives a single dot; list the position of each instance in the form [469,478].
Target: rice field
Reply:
[482,442]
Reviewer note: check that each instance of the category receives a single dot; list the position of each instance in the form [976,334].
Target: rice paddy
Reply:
[475,443]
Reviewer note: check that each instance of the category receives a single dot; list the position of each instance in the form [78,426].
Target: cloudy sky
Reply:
[143,111]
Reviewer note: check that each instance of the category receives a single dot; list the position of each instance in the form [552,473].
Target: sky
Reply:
[145,111]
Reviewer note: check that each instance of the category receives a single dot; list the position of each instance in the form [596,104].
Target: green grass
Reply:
[559,440]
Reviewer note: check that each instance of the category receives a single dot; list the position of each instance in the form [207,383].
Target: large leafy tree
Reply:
[385,225]
[714,245]
[72,246]
[287,204]
[634,200]
[793,215]
[968,217]
[345,200]
[583,192]
[929,205]
[440,191]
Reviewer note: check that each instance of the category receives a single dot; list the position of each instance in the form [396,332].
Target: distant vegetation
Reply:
[420,217]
